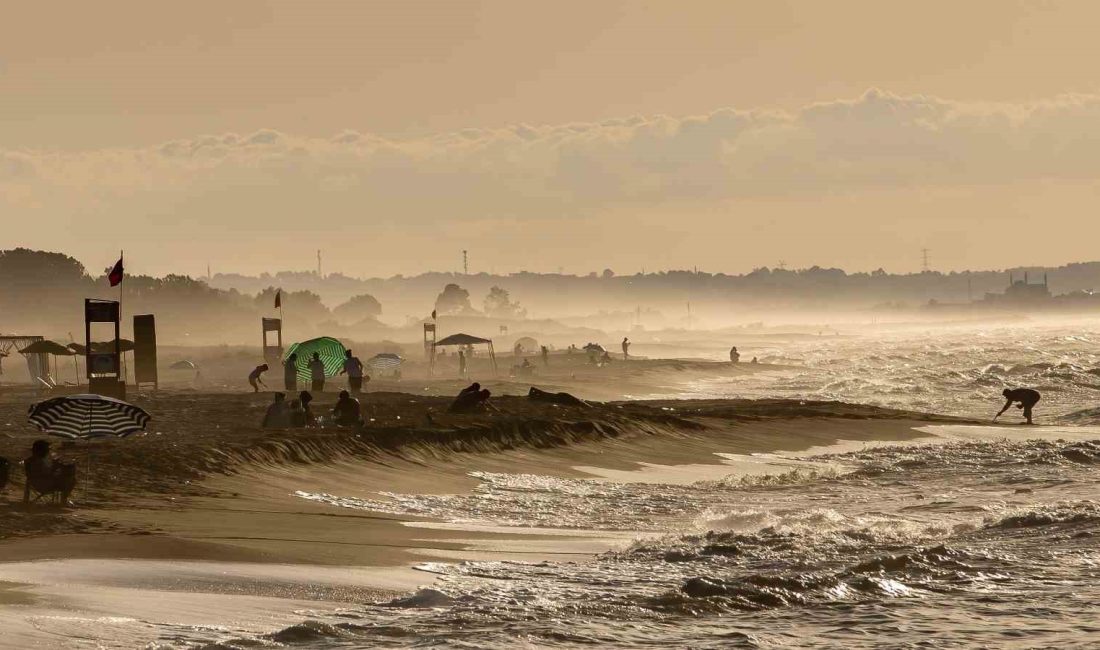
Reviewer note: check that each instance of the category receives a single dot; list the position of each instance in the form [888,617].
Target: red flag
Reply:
[115,275]
[278,299]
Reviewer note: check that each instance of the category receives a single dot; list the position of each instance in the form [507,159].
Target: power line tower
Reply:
[924,259]
[465,264]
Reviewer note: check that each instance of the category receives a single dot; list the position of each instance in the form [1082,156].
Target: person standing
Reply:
[353,368]
[1026,397]
[290,373]
[255,378]
[461,363]
[626,348]
[545,357]
[735,356]
[317,373]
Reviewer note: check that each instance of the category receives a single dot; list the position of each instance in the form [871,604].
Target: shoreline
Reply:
[212,523]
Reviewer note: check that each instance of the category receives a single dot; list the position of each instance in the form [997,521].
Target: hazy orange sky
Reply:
[574,135]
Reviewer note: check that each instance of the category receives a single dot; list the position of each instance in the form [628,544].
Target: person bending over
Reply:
[255,378]
[1027,398]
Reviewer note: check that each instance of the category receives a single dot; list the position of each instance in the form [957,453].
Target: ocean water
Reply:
[954,543]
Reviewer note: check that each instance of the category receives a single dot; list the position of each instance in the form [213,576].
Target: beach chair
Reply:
[56,482]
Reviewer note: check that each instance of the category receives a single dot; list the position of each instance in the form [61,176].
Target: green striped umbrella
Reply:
[331,351]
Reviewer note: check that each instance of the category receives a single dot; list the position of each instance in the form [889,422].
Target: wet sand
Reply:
[201,511]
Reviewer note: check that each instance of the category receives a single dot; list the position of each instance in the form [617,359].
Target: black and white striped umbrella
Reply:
[87,416]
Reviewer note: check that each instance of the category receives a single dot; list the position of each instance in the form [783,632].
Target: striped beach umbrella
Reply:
[385,361]
[330,350]
[87,416]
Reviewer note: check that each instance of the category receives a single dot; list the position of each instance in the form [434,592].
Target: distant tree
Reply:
[22,266]
[358,308]
[498,303]
[453,300]
[304,305]
[608,274]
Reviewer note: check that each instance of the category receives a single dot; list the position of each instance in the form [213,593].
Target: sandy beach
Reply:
[204,510]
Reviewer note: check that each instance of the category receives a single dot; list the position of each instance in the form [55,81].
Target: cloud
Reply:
[875,141]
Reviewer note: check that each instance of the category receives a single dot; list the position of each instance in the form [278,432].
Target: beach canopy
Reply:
[461,339]
[47,347]
[104,347]
[385,361]
[183,365]
[594,347]
[87,416]
[330,350]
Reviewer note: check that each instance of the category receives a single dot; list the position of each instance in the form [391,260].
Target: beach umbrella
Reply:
[594,347]
[385,361]
[47,347]
[183,365]
[87,416]
[330,350]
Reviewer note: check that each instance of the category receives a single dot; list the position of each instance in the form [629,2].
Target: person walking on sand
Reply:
[626,348]
[290,373]
[353,368]
[317,373]
[1026,397]
[255,378]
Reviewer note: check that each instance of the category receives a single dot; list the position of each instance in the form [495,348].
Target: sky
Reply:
[570,136]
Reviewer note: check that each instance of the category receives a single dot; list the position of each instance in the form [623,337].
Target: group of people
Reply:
[352,367]
[298,413]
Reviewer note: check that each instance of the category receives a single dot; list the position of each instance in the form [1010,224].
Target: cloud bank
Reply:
[878,141]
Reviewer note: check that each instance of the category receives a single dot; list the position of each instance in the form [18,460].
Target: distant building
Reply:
[1021,292]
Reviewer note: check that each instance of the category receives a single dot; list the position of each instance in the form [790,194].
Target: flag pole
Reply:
[118,344]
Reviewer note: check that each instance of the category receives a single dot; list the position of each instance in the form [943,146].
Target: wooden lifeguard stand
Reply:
[103,365]
[273,354]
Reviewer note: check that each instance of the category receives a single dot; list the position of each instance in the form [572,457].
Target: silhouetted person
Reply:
[545,356]
[461,364]
[735,356]
[468,400]
[46,475]
[353,368]
[255,378]
[290,373]
[278,413]
[754,360]
[626,348]
[606,359]
[302,416]
[472,388]
[317,373]
[1026,397]
[347,412]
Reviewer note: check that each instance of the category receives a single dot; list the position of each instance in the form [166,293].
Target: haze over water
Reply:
[981,537]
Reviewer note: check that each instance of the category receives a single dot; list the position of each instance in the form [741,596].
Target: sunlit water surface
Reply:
[960,543]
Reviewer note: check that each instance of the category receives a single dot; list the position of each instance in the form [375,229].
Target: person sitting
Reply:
[347,412]
[735,356]
[469,400]
[305,398]
[472,388]
[278,415]
[47,476]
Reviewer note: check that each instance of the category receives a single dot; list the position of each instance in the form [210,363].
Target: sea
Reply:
[972,537]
